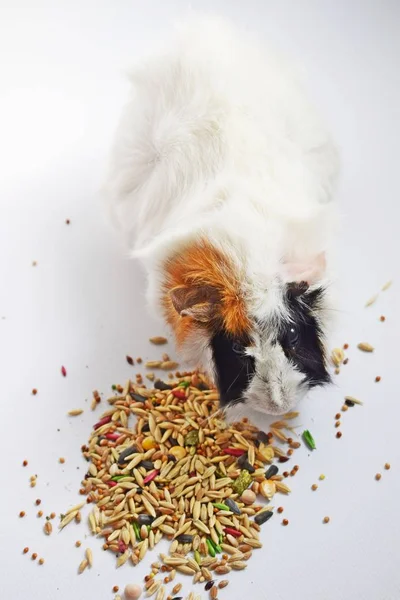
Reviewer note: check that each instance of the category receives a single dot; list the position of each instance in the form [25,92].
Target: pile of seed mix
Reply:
[180,472]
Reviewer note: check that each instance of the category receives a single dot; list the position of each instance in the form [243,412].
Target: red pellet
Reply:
[339,434]
[383,318]
[115,589]
[34,556]
[26,550]
[129,360]
[285,522]
[377,378]
[345,346]
[25,463]
[63,371]
[22,514]
[280,509]
[38,501]
[34,391]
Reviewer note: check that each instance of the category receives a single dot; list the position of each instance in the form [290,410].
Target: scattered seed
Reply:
[386,286]
[314,487]
[34,556]
[61,460]
[378,476]
[285,522]
[387,466]
[377,378]
[263,516]
[365,347]
[337,356]
[75,412]
[22,514]
[78,543]
[280,509]
[372,300]
[209,585]
[130,360]
[25,463]
[48,528]
[41,561]
[352,401]
[34,392]
[382,318]
[339,434]
[326,519]
[89,556]
[132,591]
[115,589]
[322,477]
[63,371]
[82,566]
[26,550]
[158,340]
[40,513]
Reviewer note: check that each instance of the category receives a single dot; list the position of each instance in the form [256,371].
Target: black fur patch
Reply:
[301,339]
[233,368]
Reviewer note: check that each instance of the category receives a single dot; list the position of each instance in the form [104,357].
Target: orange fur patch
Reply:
[200,264]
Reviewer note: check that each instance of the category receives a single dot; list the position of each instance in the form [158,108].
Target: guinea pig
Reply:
[221,179]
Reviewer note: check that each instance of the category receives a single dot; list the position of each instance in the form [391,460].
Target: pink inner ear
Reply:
[309,271]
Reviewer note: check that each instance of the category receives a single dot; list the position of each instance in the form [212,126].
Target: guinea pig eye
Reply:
[237,348]
[292,336]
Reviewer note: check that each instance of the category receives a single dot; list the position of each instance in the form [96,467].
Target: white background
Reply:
[61,88]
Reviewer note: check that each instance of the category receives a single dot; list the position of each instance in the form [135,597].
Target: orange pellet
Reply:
[345,407]
[387,466]
[337,416]
[26,550]
[61,460]
[345,346]
[41,561]
[378,476]
[337,424]
[34,556]
[280,509]
[339,434]
[40,513]
[326,519]
[383,318]
[25,463]
[285,522]
[377,378]
[78,543]
[22,514]
[115,589]
[314,487]
[34,391]
[52,515]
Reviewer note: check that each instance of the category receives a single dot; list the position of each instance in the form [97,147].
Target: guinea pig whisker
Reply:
[236,378]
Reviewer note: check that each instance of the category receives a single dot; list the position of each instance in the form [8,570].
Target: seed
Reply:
[129,360]
[248,497]
[78,543]
[132,591]
[352,401]
[322,477]
[61,460]
[372,300]
[48,528]
[25,463]
[386,286]
[26,550]
[314,487]
[115,589]
[34,391]
[337,356]
[82,566]
[280,509]
[222,584]
[209,585]
[377,378]
[339,434]
[337,416]
[326,519]
[158,340]
[285,522]
[382,318]
[345,346]
[213,593]
[271,471]
[263,516]
[365,347]
[337,424]
[34,556]
[41,561]
[75,412]
[63,371]
[344,408]
[387,466]
[22,514]
[40,513]
[89,556]
[176,589]
[378,476]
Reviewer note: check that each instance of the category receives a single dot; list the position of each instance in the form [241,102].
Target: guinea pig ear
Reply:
[309,271]
[198,302]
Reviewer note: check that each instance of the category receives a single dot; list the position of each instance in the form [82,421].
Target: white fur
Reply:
[219,140]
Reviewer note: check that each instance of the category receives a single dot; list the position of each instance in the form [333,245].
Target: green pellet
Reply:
[242,482]
[221,506]
[210,547]
[309,440]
